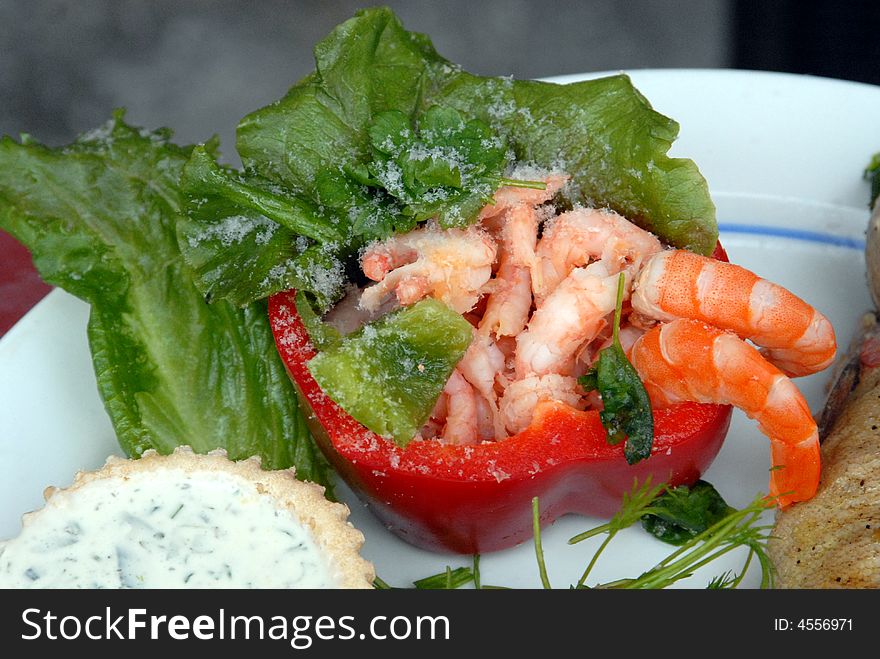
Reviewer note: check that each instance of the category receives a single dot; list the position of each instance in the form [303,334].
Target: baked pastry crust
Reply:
[326,521]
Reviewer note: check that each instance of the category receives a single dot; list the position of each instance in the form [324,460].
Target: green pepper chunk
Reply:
[389,374]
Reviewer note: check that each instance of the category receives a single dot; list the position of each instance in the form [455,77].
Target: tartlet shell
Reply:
[326,521]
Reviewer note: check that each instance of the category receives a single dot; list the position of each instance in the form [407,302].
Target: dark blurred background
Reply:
[832,39]
[199,66]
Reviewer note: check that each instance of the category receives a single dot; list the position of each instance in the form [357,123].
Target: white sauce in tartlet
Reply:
[166,528]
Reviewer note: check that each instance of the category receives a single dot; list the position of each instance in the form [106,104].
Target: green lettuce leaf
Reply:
[606,135]
[315,146]
[366,65]
[444,168]
[99,217]
[305,146]
[228,229]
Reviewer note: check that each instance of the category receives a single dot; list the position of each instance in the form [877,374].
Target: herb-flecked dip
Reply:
[166,530]
[186,520]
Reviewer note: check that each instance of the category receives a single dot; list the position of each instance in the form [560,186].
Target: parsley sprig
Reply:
[626,410]
[442,167]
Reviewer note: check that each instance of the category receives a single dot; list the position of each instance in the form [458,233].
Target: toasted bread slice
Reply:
[833,540]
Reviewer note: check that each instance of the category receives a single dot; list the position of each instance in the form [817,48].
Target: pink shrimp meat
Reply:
[451,265]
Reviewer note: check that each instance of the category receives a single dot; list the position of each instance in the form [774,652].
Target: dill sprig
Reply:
[539,550]
[733,530]
[738,528]
[636,504]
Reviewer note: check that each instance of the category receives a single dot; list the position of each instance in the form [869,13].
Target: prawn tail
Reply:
[689,360]
[794,475]
[810,353]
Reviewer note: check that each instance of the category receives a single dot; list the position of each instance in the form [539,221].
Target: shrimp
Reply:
[434,425]
[679,284]
[463,414]
[573,314]
[461,411]
[482,361]
[578,236]
[509,305]
[522,397]
[508,196]
[487,422]
[451,265]
[688,360]
[515,220]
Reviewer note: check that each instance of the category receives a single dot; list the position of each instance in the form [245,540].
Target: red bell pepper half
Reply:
[477,499]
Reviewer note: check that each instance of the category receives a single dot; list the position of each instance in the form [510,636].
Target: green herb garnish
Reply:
[627,413]
[631,510]
[448,580]
[737,528]
[684,512]
[539,551]
[724,533]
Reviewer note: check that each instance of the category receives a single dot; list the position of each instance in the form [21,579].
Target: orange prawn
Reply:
[679,284]
[688,360]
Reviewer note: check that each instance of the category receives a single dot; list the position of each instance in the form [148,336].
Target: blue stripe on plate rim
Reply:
[793,234]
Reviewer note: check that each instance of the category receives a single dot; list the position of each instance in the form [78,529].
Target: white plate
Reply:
[783,156]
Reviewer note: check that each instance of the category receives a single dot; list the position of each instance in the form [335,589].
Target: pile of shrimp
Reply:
[540,290]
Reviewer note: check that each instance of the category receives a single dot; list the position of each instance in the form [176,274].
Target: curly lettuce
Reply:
[100,218]
[318,148]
